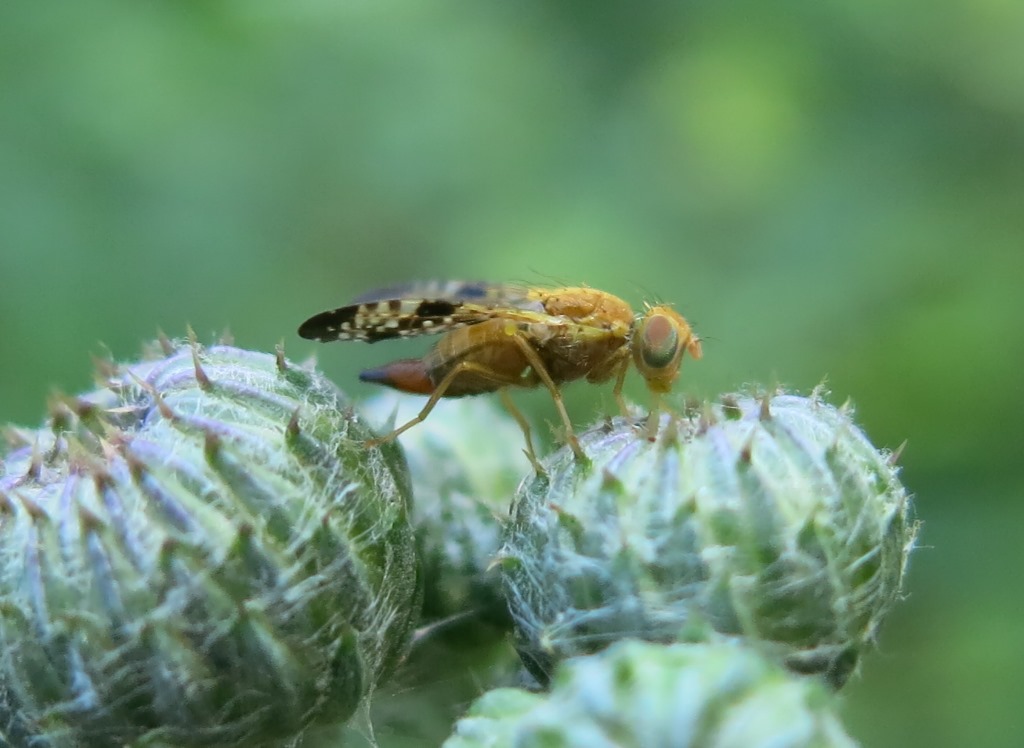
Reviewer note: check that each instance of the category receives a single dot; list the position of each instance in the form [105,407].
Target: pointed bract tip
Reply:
[652,423]
[32,509]
[670,434]
[244,531]
[140,383]
[103,369]
[62,414]
[110,450]
[897,453]
[211,445]
[731,411]
[35,465]
[292,430]
[702,425]
[707,417]
[165,342]
[609,479]
[279,358]
[746,452]
[163,407]
[89,520]
[104,480]
[201,377]
[168,548]
[83,408]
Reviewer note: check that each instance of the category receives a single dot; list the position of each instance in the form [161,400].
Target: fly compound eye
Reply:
[659,342]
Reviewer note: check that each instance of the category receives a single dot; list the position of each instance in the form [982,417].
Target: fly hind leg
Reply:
[467,367]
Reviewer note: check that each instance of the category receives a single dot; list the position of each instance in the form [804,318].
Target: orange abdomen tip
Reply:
[406,375]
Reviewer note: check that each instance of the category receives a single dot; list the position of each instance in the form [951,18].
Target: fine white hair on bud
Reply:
[201,552]
[769,519]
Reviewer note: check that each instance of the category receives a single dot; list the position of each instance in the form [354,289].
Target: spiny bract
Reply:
[201,553]
[772,519]
[640,694]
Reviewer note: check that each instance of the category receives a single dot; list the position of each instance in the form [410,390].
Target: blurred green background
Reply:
[825,189]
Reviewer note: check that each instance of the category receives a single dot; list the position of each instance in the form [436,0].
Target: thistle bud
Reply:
[465,462]
[201,553]
[682,695]
[769,519]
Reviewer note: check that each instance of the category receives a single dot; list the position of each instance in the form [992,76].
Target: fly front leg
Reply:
[616,364]
[620,379]
[652,417]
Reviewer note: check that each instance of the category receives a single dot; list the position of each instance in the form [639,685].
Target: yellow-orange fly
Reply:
[498,336]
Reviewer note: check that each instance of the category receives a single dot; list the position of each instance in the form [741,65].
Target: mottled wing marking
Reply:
[383,320]
[421,309]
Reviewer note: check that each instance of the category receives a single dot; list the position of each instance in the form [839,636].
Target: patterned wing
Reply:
[418,309]
[477,292]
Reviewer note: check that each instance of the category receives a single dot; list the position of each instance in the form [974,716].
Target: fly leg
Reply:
[533,358]
[510,406]
[467,367]
[620,379]
[652,418]
[651,427]
[617,364]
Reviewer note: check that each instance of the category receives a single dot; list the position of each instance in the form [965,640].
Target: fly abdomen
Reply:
[406,375]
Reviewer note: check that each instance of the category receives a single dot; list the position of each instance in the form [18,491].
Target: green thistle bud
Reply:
[770,519]
[202,553]
[640,694]
[465,462]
